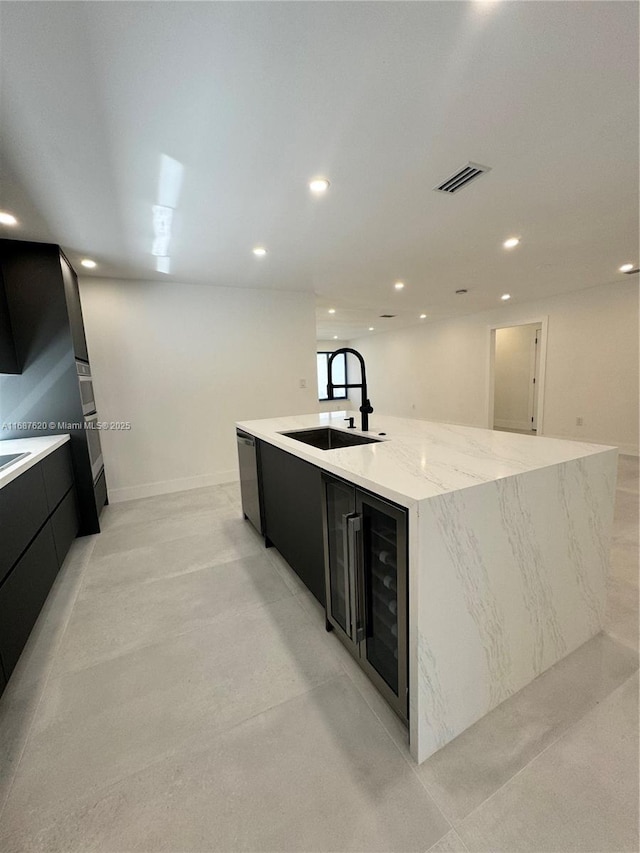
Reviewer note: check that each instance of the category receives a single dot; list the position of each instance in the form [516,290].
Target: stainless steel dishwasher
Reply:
[249,486]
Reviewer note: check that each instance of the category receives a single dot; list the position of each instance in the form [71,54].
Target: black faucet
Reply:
[366,408]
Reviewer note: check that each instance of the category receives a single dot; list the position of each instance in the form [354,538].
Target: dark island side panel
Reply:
[292,502]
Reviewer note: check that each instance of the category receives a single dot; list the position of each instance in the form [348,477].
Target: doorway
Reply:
[516,377]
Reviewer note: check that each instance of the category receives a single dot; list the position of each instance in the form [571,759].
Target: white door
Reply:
[535,379]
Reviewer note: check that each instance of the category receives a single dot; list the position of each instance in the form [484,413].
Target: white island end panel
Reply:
[511,579]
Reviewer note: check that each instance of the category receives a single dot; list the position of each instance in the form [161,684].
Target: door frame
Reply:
[543,322]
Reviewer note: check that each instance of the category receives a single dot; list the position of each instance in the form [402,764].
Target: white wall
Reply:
[514,361]
[440,371]
[182,363]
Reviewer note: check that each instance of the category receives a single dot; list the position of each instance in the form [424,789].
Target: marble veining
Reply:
[469,565]
[523,539]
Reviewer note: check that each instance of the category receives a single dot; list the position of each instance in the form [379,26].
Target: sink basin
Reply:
[327,438]
[9,458]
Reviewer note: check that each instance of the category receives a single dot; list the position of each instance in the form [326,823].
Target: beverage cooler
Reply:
[366,584]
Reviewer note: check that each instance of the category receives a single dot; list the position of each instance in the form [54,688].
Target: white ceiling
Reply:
[385,99]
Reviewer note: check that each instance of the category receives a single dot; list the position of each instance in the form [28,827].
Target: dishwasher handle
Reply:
[244,438]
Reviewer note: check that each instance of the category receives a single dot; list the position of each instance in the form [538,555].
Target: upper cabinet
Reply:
[72,296]
[8,357]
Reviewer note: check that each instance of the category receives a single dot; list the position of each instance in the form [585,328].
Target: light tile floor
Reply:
[179,693]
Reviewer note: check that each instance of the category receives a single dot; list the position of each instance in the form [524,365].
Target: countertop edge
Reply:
[310,455]
[43,447]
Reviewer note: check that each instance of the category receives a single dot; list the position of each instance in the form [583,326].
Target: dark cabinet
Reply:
[23,510]
[41,292]
[72,297]
[64,524]
[8,356]
[38,523]
[366,583]
[292,509]
[22,595]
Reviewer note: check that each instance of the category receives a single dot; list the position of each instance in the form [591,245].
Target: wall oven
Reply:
[86,387]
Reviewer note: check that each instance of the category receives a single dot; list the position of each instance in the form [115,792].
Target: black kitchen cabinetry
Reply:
[41,293]
[72,297]
[292,511]
[38,520]
[8,357]
[365,541]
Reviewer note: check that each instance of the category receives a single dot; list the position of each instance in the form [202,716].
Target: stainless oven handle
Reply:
[353,527]
[346,555]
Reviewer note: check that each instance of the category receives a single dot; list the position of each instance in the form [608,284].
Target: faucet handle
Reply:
[351,423]
[366,407]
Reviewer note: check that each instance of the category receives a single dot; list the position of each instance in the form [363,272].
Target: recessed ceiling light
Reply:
[335,337]
[319,185]
[511,242]
[626,268]
[399,285]
[332,310]
[505,296]
[7,218]
[260,251]
[371,329]
[88,263]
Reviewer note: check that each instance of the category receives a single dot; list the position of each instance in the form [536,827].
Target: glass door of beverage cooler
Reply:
[383,597]
[341,600]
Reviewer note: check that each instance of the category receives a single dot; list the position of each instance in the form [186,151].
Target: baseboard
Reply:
[163,487]
[503,424]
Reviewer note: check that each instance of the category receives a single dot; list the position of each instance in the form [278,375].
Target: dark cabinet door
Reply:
[23,509]
[3,680]
[57,472]
[292,495]
[72,297]
[8,356]
[64,523]
[22,595]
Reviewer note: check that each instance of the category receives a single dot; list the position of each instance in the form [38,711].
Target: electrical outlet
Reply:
[303,383]
[579,421]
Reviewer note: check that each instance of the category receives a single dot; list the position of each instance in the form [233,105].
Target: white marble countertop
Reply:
[37,448]
[420,459]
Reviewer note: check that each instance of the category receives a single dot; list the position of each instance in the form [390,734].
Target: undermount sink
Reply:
[9,458]
[327,438]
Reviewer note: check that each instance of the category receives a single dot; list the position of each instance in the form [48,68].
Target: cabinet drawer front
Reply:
[23,509]
[57,472]
[22,595]
[64,523]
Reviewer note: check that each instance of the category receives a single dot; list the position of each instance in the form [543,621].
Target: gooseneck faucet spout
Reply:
[366,408]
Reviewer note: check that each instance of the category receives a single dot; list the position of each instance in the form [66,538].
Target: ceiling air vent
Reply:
[388,316]
[462,177]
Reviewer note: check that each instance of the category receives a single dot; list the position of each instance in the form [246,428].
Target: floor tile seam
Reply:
[108,533]
[43,683]
[192,748]
[561,735]
[463,846]
[109,529]
[214,619]
[148,581]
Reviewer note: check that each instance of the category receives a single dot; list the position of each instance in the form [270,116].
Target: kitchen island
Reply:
[508,550]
